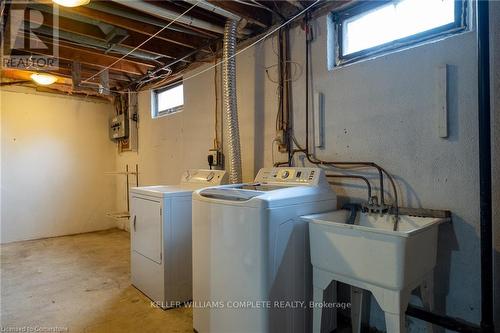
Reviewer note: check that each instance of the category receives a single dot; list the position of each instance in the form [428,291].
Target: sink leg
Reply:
[395,322]
[329,316]
[318,299]
[427,295]
[356,307]
[394,304]
[325,291]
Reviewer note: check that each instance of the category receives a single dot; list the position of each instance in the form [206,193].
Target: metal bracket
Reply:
[104,85]
[76,74]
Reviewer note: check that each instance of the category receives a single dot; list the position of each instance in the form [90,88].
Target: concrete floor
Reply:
[81,283]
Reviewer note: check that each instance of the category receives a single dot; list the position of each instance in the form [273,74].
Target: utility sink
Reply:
[369,250]
[370,255]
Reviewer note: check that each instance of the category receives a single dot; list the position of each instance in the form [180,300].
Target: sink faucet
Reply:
[372,206]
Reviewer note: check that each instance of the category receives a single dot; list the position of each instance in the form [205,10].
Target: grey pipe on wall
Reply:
[230,104]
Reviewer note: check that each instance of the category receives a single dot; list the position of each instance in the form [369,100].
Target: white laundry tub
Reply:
[370,250]
[370,255]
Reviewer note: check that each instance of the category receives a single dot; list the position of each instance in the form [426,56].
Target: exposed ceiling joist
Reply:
[146,63]
[13,24]
[296,4]
[214,9]
[92,57]
[285,8]
[86,71]
[165,49]
[169,36]
[124,11]
[107,47]
[101,33]
[166,14]
[252,14]
[63,85]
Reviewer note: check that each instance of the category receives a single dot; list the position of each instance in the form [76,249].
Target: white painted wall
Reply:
[381,110]
[55,150]
[171,144]
[384,110]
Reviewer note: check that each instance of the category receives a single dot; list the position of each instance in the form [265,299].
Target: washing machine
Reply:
[251,261]
[160,232]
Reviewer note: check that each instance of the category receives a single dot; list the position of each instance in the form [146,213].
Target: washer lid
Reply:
[231,193]
[273,196]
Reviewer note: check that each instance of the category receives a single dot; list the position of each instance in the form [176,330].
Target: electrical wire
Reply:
[139,46]
[266,35]
[155,78]
[294,76]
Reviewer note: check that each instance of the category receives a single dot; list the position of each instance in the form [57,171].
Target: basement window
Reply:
[377,27]
[167,100]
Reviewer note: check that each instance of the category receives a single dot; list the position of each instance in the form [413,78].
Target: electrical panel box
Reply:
[118,127]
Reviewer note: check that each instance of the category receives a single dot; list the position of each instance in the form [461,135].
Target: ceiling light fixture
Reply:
[71,3]
[43,79]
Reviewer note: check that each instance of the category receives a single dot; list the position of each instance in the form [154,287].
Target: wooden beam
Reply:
[284,8]
[332,6]
[76,46]
[12,19]
[296,4]
[196,12]
[93,57]
[73,26]
[252,14]
[134,39]
[66,67]
[26,75]
[68,90]
[161,47]
[179,38]
[62,85]
[67,73]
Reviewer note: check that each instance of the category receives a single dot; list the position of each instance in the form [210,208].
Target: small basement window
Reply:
[382,26]
[167,100]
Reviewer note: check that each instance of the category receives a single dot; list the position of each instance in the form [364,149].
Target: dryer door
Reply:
[146,228]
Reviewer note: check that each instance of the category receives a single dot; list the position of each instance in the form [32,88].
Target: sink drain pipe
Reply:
[485,196]
[230,105]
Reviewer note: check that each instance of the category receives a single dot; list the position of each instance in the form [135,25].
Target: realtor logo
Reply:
[30,35]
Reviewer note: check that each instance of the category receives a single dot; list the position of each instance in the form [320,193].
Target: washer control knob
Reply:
[285,174]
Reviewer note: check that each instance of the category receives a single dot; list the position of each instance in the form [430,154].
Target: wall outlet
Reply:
[280,136]
[281,140]
[216,157]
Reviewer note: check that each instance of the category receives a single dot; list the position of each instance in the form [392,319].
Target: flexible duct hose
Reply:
[230,105]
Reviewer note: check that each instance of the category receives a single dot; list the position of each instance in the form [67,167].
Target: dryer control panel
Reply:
[209,177]
[292,176]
